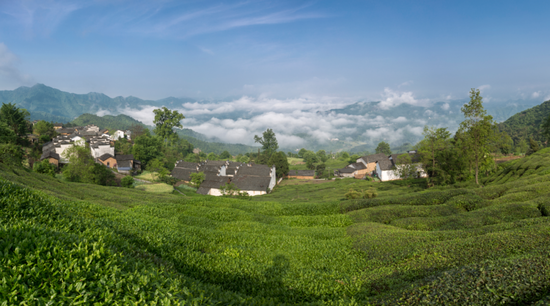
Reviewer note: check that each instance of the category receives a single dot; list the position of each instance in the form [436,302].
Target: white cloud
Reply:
[536,94]
[399,120]
[484,87]
[445,106]
[393,98]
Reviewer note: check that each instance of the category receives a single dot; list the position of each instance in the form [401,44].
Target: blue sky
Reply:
[335,50]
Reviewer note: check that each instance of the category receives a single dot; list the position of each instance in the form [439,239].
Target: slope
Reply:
[527,123]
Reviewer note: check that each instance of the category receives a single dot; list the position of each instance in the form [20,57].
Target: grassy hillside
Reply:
[304,243]
[527,123]
[112,123]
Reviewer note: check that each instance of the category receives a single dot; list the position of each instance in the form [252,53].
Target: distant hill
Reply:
[527,123]
[47,103]
[112,123]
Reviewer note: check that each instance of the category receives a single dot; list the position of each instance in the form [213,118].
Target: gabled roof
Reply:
[346,170]
[216,182]
[254,170]
[251,183]
[385,164]
[182,173]
[49,154]
[218,163]
[374,157]
[186,165]
[124,164]
[357,166]
[415,157]
[301,173]
[105,156]
[124,157]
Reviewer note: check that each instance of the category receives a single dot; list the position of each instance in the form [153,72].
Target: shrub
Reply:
[44,167]
[352,194]
[127,181]
[11,154]
[370,193]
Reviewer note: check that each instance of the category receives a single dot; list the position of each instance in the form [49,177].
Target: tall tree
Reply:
[280,162]
[16,120]
[435,140]
[478,129]
[383,147]
[165,122]
[268,141]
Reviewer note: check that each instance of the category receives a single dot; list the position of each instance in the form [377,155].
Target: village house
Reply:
[108,160]
[388,169]
[370,161]
[125,163]
[121,134]
[301,174]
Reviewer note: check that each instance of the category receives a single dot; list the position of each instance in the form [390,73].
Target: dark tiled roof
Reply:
[251,183]
[124,164]
[374,157]
[346,170]
[216,182]
[230,170]
[65,130]
[301,173]
[385,164]
[208,175]
[357,166]
[105,156]
[124,157]
[182,173]
[186,165]
[206,168]
[215,162]
[49,154]
[254,170]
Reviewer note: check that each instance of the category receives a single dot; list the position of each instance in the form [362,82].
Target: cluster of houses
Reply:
[385,167]
[250,178]
[101,146]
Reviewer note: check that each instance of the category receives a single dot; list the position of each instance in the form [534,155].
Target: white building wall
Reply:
[118,134]
[100,150]
[273,180]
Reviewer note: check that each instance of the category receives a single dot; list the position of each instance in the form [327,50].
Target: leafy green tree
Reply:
[344,155]
[353,159]
[225,155]
[533,146]
[322,155]
[127,181]
[302,152]
[504,142]
[6,134]
[320,169]
[147,147]
[435,140]
[243,159]
[16,120]
[197,178]
[404,166]
[280,161]
[11,154]
[522,146]
[212,156]
[383,147]
[165,122]
[45,130]
[44,167]
[123,146]
[268,141]
[478,129]
[155,166]
[82,168]
[311,157]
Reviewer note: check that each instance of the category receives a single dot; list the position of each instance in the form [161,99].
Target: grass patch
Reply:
[156,188]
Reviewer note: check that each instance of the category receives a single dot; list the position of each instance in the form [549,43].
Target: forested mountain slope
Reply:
[527,123]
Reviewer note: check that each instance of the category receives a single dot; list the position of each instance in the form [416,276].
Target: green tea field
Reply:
[67,243]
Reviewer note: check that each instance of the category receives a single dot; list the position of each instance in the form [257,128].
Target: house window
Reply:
[108,165]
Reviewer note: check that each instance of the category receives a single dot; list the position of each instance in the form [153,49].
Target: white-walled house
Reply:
[387,169]
[120,134]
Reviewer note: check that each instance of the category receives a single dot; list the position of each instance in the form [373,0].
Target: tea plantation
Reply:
[67,243]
